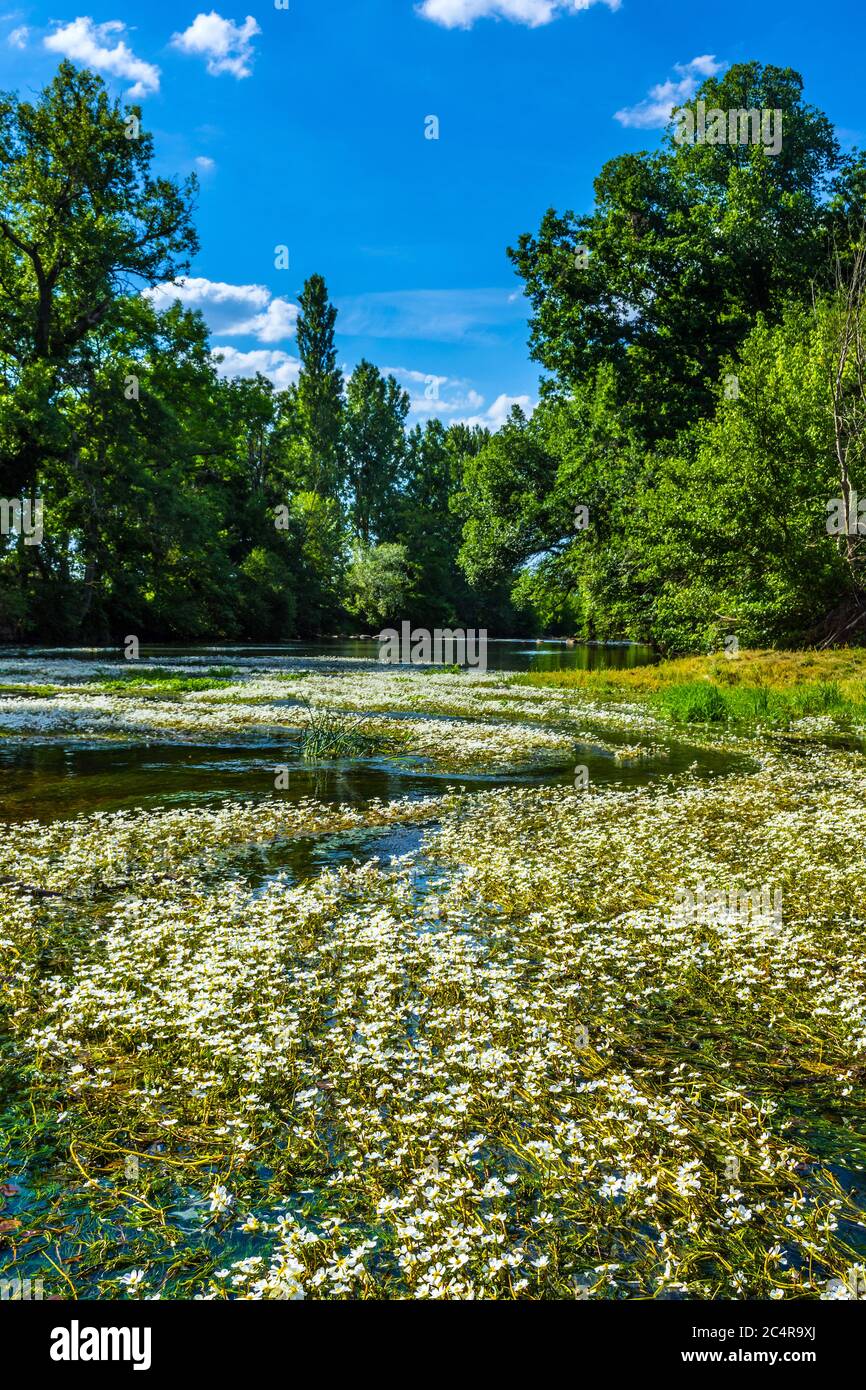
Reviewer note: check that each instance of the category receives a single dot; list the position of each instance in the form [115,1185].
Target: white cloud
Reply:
[495,416]
[282,369]
[234,311]
[196,291]
[205,164]
[103,47]
[454,400]
[654,112]
[433,394]
[409,377]
[462,14]
[275,323]
[226,46]
[18,38]
[705,66]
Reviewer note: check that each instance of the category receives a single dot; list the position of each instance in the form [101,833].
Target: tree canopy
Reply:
[694,467]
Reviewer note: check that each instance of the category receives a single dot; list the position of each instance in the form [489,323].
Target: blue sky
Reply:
[306,126]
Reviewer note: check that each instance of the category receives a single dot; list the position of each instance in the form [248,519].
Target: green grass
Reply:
[703,702]
[757,688]
[694,703]
[782,670]
[167,682]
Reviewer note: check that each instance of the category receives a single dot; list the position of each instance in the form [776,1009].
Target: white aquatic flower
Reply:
[370,1034]
[221,1200]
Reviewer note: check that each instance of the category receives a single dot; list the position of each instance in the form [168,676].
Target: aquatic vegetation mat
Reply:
[514,1064]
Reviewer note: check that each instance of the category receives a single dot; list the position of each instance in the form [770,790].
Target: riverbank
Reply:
[772,689]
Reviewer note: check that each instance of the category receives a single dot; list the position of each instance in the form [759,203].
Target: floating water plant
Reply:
[503,1066]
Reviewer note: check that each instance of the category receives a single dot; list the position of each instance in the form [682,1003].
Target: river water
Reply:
[503,654]
[59,777]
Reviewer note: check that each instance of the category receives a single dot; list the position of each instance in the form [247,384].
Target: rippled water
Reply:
[50,781]
[56,778]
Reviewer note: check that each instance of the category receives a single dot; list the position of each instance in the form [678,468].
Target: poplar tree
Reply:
[318,398]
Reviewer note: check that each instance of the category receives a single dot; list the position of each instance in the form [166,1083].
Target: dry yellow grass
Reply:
[780,670]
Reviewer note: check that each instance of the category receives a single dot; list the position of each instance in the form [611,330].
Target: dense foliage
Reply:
[701,331]
[177,503]
[705,398]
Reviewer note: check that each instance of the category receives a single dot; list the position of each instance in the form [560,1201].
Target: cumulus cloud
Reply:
[433,394]
[102,46]
[453,400]
[276,322]
[226,46]
[462,14]
[280,367]
[234,311]
[18,38]
[205,164]
[654,112]
[495,416]
[196,290]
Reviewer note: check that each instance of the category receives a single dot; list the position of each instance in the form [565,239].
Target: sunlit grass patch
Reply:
[164,681]
[778,669]
[765,706]
[752,689]
[694,703]
[28,691]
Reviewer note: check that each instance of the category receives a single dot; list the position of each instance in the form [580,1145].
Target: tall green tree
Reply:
[547,502]
[375,446]
[379,584]
[82,220]
[318,397]
[684,248]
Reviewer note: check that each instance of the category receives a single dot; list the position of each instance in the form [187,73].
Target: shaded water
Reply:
[503,654]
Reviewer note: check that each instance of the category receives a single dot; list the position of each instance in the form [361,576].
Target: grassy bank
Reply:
[767,688]
[529,1081]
